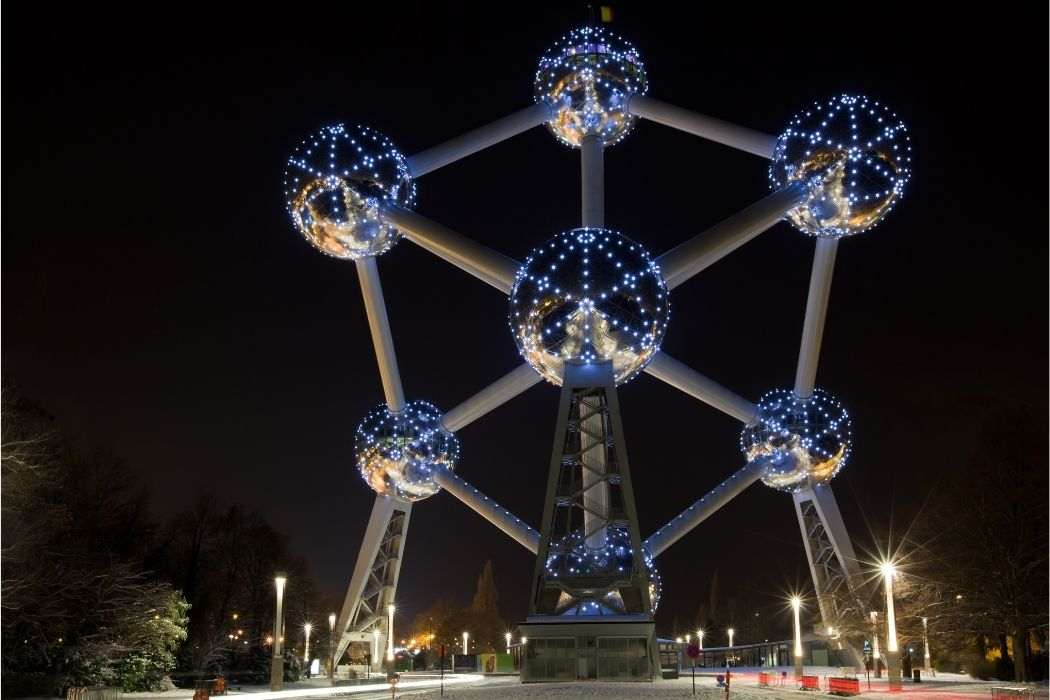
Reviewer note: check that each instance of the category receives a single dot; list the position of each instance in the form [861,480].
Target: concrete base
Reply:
[612,648]
[893,669]
[277,673]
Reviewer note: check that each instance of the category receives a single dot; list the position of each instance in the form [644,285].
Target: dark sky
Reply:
[158,301]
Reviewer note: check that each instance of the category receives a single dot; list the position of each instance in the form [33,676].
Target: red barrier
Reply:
[763,679]
[810,682]
[844,686]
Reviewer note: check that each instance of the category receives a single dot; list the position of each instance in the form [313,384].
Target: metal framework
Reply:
[832,562]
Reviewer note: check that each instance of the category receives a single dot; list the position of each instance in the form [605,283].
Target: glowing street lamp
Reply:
[277,663]
[688,639]
[507,637]
[331,646]
[677,640]
[893,657]
[466,635]
[730,631]
[925,647]
[307,629]
[796,607]
[700,638]
[390,632]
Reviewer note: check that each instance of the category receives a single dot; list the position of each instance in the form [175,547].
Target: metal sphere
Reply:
[854,156]
[335,185]
[571,557]
[589,295]
[586,78]
[397,453]
[801,442]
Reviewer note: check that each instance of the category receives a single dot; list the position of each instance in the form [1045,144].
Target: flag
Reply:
[607,14]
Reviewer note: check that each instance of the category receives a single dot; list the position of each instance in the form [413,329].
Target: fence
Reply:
[97,692]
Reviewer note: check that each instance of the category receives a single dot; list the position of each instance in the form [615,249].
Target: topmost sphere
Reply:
[335,186]
[587,78]
[853,154]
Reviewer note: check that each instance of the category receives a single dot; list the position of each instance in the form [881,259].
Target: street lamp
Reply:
[375,646]
[796,607]
[390,632]
[507,637]
[331,646]
[893,656]
[925,647]
[875,654]
[466,635]
[688,639]
[277,663]
[307,629]
[730,631]
[700,638]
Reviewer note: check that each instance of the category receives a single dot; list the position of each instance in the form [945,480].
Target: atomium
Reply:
[587,78]
[800,442]
[854,156]
[336,184]
[571,557]
[589,295]
[398,453]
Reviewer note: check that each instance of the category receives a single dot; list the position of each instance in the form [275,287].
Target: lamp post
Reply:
[331,647]
[730,631]
[466,635]
[700,638]
[375,648]
[925,648]
[277,662]
[307,629]
[507,637]
[893,654]
[796,607]
[875,655]
[390,633]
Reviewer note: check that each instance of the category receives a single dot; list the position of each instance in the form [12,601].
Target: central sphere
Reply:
[586,78]
[854,156]
[589,295]
[398,453]
[801,442]
[336,184]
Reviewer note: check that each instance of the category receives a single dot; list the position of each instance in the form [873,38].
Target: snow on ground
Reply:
[744,687]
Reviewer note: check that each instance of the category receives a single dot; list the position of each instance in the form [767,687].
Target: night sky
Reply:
[157,300]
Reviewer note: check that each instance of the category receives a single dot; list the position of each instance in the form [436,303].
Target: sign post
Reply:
[442,664]
[693,652]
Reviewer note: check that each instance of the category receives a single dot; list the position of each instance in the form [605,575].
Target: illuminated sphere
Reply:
[589,295]
[397,453]
[570,557]
[801,442]
[854,157]
[335,185]
[586,78]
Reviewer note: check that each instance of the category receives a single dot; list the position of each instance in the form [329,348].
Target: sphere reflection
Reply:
[853,154]
[587,78]
[398,453]
[335,185]
[589,295]
[801,442]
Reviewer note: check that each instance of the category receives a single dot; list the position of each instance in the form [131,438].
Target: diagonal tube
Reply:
[678,375]
[816,310]
[704,508]
[494,395]
[484,263]
[488,509]
[379,324]
[710,128]
[479,139]
[705,249]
